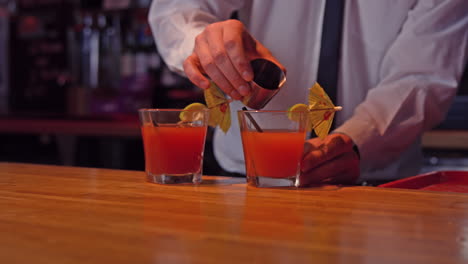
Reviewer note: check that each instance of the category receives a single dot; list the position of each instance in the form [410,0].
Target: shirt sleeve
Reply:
[419,77]
[176,23]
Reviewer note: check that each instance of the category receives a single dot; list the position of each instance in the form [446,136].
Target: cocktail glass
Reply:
[273,143]
[173,141]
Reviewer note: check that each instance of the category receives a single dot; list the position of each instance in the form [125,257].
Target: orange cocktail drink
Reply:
[273,143]
[172,149]
[173,144]
[273,153]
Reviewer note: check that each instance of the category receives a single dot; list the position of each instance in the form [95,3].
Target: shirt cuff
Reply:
[364,136]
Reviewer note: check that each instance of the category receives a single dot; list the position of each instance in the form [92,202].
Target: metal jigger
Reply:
[268,80]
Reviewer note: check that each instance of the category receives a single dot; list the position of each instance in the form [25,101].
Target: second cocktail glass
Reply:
[273,143]
[174,141]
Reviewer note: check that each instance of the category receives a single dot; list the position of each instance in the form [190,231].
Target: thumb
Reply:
[307,147]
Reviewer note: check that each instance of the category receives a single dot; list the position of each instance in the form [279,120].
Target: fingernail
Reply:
[235,95]
[244,90]
[247,76]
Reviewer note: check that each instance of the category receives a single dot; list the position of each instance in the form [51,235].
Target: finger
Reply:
[333,146]
[234,45]
[321,173]
[209,66]
[217,46]
[349,174]
[339,140]
[194,72]
[312,144]
[344,169]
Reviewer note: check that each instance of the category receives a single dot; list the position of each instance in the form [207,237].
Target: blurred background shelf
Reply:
[73,74]
[446,139]
[98,126]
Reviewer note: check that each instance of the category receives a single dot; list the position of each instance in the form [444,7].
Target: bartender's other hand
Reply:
[331,160]
[223,52]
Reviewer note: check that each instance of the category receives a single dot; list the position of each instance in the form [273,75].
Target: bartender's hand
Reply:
[331,160]
[223,52]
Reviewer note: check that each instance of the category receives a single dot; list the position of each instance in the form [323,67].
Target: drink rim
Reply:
[170,110]
[285,111]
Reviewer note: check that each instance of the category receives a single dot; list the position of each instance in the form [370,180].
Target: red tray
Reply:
[443,181]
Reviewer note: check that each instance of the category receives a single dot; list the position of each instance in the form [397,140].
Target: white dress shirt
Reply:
[401,62]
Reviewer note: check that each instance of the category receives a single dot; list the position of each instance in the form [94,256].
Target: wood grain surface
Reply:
[52,214]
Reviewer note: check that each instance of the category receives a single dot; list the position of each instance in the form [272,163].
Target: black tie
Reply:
[327,75]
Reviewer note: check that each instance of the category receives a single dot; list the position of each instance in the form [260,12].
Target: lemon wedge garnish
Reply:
[187,115]
[321,111]
[293,111]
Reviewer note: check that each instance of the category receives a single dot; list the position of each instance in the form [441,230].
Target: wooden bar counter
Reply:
[53,214]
